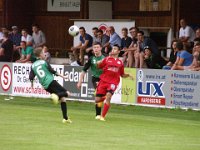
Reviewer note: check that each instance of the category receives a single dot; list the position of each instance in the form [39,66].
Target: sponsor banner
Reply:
[128,90]
[22,85]
[87,90]
[6,78]
[152,87]
[184,88]
[63,5]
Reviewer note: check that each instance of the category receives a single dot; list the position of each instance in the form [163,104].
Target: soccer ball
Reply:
[73,30]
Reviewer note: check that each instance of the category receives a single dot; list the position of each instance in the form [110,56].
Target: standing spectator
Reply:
[27,37]
[186,33]
[47,55]
[27,55]
[173,56]
[184,58]
[125,43]
[6,50]
[39,39]
[85,42]
[114,39]
[15,37]
[103,39]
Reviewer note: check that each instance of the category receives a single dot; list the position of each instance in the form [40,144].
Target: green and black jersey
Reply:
[43,71]
[92,63]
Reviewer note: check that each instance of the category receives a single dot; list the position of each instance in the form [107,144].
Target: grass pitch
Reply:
[35,124]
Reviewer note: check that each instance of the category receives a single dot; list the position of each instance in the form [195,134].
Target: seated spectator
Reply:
[133,47]
[197,33]
[152,60]
[125,43]
[27,37]
[73,61]
[95,39]
[114,40]
[103,39]
[6,50]
[15,37]
[39,39]
[186,33]
[85,42]
[195,66]
[27,55]
[46,54]
[173,56]
[184,58]
[141,43]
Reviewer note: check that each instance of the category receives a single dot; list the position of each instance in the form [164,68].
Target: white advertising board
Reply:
[22,85]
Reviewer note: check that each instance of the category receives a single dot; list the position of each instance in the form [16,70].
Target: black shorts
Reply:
[55,87]
[94,81]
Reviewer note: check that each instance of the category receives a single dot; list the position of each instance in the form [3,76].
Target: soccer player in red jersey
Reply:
[113,69]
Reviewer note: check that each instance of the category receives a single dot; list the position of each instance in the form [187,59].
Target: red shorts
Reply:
[104,87]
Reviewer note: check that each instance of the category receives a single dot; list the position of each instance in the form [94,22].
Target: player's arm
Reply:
[31,77]
[85,68]
[101,63]
[126,75]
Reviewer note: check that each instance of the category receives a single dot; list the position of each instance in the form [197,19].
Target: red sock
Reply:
[105,109]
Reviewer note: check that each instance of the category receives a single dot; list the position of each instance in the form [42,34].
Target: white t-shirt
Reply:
[187,32]
[28,38]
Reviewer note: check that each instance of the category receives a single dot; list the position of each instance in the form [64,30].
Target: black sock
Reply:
[64,110]
[98,110]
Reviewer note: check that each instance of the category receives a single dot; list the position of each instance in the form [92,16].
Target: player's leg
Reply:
[98,106]
[64,110]
[106,105]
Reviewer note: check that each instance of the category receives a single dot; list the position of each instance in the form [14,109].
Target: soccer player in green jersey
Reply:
[95,72]
[44,73]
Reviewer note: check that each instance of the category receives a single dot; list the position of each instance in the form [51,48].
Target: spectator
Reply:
[85,42]
[114,40]
[197,33]
[195,66]
[184,58]
[27,37]
[95,39]
[173,56]
[27,55]
[15,37]
[47,55]
[186,33]
[6,50]
[125,43]
[133,47]
[103,39]
[141,43]
[39,39]
[152,60]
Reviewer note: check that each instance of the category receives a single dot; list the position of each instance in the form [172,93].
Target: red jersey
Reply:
[112,68]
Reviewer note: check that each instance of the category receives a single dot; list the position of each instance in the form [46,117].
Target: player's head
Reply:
[115,50]
[38,52]
[97,47]
[23,44]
